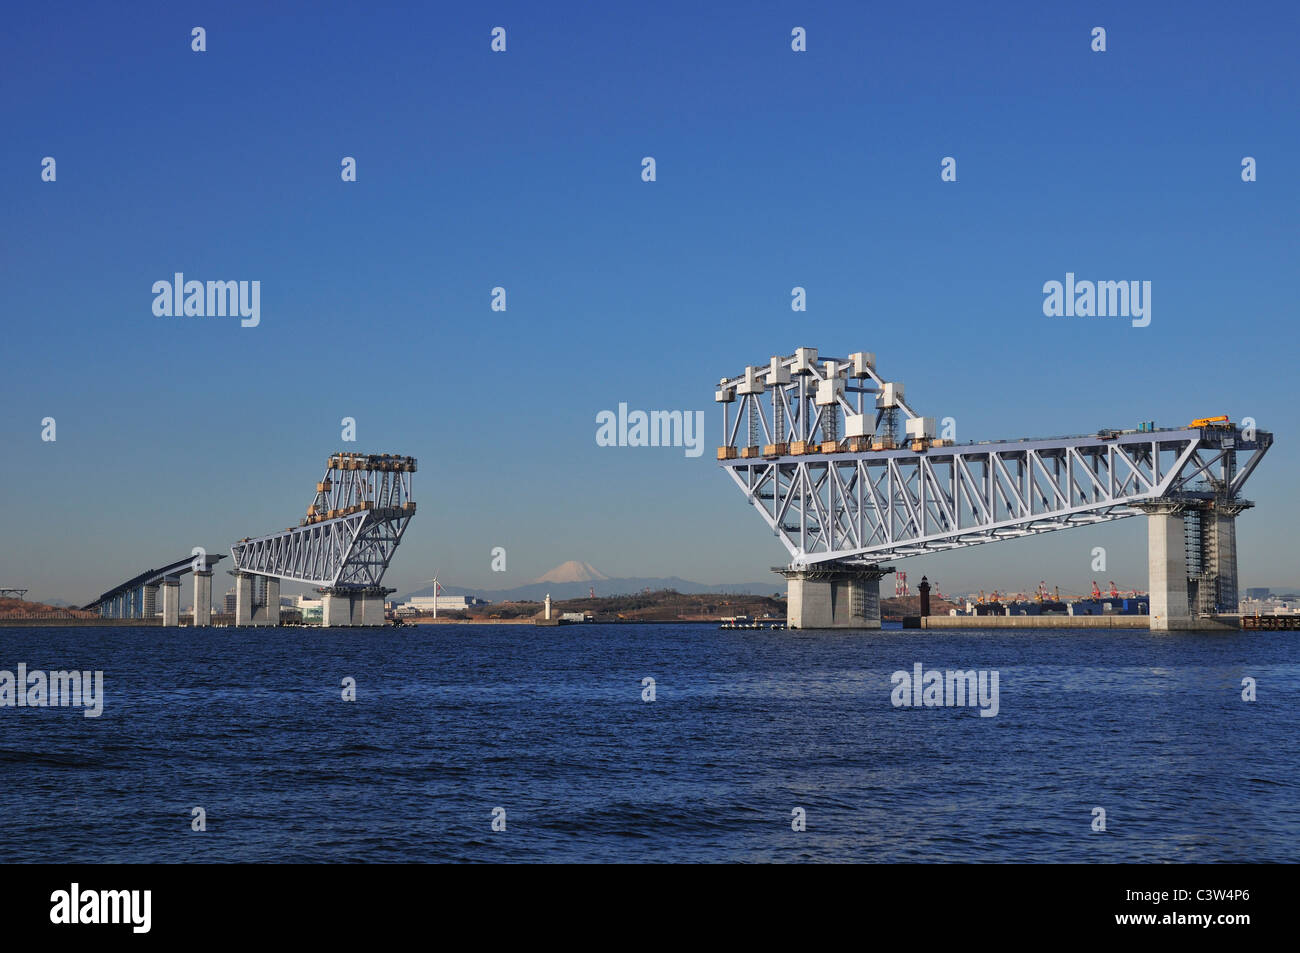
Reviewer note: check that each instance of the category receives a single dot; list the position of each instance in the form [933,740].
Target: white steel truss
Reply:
[836,501]
[353,527]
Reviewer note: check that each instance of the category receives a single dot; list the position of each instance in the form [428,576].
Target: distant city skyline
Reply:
[819,170]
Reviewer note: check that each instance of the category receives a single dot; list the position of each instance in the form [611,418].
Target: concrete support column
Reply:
[171,601]
[807,603]
[834,596]
[1167,567]
[151,601]
[372,608]
[203,597]
[272,601]
[243,598]
[336,609]
[353,607]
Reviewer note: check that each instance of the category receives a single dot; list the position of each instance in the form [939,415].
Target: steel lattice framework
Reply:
[353,526]
[864,499]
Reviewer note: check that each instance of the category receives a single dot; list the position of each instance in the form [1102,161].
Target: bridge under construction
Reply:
[815,445]
[137,598]
[343,546]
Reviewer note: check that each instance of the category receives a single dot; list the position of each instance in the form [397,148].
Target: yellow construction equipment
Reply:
[1219,421]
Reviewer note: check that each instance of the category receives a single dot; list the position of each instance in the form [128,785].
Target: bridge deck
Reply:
[155,576]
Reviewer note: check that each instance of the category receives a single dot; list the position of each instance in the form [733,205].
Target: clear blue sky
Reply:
[522,169]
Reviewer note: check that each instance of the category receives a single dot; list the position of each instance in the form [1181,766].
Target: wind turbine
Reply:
[436,587]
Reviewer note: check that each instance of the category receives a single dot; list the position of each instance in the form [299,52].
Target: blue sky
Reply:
[476,169]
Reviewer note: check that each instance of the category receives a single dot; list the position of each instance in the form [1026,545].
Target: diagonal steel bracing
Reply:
[353,526]
[869,496]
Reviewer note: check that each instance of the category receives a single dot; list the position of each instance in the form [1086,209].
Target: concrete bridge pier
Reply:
[150,600]
[833,596]
[247,612]
[203,597]
[271,611]
[336,609]
[1192,562]
[353,606]
[1167,567]
[243,598]
[171,601]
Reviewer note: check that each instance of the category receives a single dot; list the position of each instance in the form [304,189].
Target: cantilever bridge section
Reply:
[816,446]
[343,545]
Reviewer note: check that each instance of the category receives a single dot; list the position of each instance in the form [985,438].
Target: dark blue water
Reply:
[452,721]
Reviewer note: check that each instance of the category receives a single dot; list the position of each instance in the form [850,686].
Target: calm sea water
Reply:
[453,721]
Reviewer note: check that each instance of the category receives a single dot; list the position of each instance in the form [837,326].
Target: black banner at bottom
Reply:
[143,903]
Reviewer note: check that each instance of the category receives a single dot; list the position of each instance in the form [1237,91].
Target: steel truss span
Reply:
[834,486]
[352,529]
